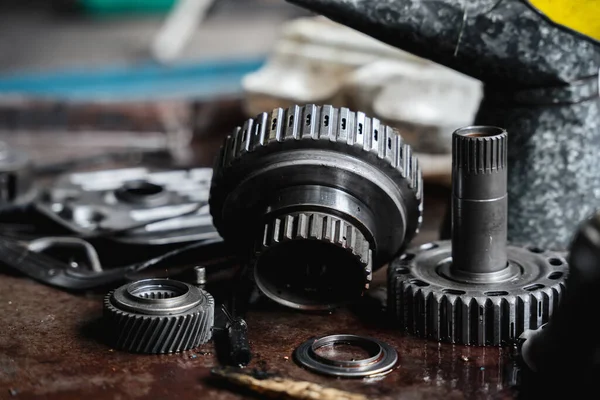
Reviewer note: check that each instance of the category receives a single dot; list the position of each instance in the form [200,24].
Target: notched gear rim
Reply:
[321,227]
[160,334]
[422,308]
[344,132]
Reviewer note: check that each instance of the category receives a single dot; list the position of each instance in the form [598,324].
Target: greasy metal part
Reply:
[428,301]
[240,353]
[316,180]
[537,76]
[157,316]
[278,387]
[479,200]
[475,289]
[381,357]
[567,346]
[133,205]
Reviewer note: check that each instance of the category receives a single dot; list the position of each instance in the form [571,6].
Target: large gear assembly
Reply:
[157,316]
[318,197]
[476,289]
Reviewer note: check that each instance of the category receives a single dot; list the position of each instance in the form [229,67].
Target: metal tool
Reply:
[157,316]
[540,82]
[319,197]
[133,205]
[476,289]
[382,357]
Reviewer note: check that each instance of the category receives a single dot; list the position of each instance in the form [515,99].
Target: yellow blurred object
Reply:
[582,16]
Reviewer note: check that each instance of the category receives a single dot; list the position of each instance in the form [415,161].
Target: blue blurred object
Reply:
[145,81]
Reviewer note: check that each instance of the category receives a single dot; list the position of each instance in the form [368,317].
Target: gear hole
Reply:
[496,293]
[407,256]
[418,283]
[454,291]
[555,275]
[390,143]
[555,261]
[535,286]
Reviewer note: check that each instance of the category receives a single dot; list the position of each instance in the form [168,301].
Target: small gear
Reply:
[157,316]
[333,164]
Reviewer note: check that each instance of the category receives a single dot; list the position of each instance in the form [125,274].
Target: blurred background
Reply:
[81,78]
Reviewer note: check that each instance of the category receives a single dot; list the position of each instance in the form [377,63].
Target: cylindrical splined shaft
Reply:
[479,200]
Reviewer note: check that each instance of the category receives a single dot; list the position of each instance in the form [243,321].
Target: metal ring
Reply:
[382,357]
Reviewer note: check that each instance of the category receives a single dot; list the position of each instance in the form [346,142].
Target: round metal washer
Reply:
[382,357]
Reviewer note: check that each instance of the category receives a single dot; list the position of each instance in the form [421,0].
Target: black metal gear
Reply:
[156,316]
[320,161]
[426,301]
[324,228]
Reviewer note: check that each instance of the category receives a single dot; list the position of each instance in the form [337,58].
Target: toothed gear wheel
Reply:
[428,302]
[157,316]
[306,165]
[351,247]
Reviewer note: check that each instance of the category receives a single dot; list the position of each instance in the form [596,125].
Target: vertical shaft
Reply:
[479,199]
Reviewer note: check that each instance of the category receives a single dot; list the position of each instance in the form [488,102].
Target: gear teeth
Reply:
[160,334]
[480,154]
[322,227]
[449,315]
[325,123]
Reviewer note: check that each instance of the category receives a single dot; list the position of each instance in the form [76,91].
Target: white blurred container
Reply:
[320,61]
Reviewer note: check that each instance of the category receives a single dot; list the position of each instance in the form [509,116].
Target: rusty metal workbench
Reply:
[49,348]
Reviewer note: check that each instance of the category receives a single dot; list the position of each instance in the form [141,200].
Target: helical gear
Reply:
[157,316]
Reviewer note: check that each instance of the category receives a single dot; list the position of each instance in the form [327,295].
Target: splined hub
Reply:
[476,289]
[158,316]
[318,197]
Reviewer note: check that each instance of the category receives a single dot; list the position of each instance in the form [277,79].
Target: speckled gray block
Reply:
[541,84]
